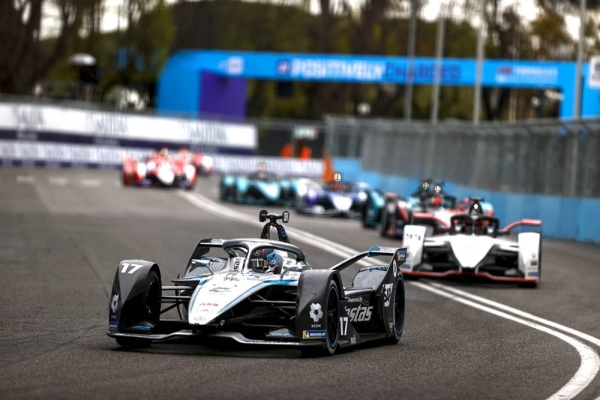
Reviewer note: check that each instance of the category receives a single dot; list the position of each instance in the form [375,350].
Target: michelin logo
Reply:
[314,334]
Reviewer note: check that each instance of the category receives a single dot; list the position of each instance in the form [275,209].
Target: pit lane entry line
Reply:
[590,363]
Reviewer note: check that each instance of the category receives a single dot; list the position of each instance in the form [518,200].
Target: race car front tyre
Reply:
[332,312]
[399,307]
[142,311]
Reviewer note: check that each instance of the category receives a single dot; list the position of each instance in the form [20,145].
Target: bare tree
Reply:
[23,60]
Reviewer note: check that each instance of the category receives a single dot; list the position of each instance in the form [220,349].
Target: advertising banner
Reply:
[54,136]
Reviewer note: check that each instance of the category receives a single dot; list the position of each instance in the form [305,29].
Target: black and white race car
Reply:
[262,292]
[476,248]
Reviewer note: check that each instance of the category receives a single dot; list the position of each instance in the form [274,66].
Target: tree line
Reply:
[152,29]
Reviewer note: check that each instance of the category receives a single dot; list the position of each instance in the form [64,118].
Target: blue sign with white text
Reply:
[180,85]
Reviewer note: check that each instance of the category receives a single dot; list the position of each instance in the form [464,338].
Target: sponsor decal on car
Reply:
[355,299]
[353,340]
[387,294]
[114,304]
[316,313]
[218,290]
[113,326]
[360,313]
[314,334]
[401,255]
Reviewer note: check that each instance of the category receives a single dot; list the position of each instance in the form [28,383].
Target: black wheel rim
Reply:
[333,317]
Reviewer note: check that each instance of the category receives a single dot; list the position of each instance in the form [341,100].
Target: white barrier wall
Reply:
[45,135]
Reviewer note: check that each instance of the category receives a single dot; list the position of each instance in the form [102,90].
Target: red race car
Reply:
[160,169]
[204,164]
[433,211]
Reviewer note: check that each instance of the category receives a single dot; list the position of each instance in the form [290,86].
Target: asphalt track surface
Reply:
[63,232]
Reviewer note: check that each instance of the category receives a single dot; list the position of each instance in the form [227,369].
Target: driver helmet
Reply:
[436,201]
[266,260]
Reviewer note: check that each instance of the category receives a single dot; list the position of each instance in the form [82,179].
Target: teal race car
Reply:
[260,187]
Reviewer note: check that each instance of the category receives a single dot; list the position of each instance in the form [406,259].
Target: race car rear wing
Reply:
[523,222]
[374,251]
[420,217]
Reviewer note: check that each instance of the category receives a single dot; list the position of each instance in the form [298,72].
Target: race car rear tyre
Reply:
[125,179]
[384,224]
[332,312]
[399,309]
[144,311]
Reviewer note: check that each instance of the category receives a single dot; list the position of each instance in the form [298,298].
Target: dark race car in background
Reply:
[335,198]
[429,206]
[261,187]
[159,170]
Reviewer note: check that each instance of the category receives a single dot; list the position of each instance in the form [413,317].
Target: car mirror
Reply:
[262,215]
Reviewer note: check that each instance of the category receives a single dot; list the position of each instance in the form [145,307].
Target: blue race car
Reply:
[260,187]
[331,199]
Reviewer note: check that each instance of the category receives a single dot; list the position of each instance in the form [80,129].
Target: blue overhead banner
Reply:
[180,86]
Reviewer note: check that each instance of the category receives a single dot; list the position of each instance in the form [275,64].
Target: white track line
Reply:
[515,311]
[590,363]
[25,179]
[57,180]
[90,182]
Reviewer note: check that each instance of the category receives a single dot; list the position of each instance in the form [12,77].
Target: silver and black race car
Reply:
[262,292]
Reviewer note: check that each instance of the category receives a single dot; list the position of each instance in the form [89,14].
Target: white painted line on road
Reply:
[57,180]
[516,311]
[590,363]
[25,179]
[90,182]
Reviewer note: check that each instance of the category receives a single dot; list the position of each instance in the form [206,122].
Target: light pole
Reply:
[439,54]
[412,28]
[578,80]
[479,66]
